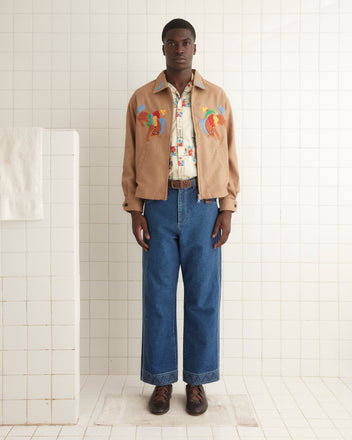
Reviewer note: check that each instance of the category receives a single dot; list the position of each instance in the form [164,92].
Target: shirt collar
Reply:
[187,89]
[161,82]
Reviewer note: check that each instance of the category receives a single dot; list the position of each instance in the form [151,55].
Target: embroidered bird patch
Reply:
[154,121]
[212,120]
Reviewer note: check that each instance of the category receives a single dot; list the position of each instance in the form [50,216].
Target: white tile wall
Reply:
[286,66]
[39,291]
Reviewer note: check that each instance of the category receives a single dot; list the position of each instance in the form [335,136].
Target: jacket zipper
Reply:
[195,140]
[170,129]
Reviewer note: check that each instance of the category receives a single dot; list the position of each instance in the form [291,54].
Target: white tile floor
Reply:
[287,408]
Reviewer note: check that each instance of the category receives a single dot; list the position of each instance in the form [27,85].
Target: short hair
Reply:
[178,23]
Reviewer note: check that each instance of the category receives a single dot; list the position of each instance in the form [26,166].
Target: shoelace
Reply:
[195,393]
[161,393]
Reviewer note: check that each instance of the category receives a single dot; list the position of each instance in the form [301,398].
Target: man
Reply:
[180,163]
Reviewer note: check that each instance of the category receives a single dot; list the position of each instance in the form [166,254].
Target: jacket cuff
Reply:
[228,204]
[135,205]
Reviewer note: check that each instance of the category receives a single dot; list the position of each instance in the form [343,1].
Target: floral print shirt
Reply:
[182,165]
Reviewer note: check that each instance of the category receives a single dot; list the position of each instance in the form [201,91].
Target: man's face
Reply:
[179,48]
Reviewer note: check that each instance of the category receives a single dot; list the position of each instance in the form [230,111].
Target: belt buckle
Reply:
[172,184]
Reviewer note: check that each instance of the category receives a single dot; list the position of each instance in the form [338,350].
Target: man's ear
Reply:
[194,49]
[163,49]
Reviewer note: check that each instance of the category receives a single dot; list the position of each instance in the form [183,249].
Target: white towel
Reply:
[21,173]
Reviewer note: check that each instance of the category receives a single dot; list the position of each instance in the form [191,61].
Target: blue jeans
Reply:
[180,234]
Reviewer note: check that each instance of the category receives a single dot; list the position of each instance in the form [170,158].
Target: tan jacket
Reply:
[148,137]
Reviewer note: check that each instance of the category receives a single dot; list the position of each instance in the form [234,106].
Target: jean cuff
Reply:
[199,379]
[159,379]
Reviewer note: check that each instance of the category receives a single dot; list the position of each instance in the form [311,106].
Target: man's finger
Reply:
[144,245]
[216,229]
[222,240]
[140,240]
[146,230]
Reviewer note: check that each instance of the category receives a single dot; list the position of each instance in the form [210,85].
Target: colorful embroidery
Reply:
[158,88]
[154,121]
[212,120]
[199,84]
[140,108]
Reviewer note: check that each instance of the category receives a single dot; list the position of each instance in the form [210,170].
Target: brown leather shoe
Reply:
[159,402]
[196,400]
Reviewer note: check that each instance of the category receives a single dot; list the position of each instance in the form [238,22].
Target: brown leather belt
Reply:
[180,184]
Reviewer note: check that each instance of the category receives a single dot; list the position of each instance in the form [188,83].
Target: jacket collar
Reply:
[161,83]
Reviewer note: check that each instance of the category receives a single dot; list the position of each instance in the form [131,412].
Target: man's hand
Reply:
[139,223]
[223,222]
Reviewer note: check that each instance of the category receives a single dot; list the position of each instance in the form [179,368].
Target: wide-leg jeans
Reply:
[181,235]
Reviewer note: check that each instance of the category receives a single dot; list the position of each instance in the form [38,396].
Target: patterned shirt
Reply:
[182,165]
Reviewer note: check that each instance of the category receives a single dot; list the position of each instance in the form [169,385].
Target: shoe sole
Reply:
[196,413]
[159,413]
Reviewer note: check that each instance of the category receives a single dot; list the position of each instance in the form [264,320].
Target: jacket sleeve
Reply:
[233,187]
[129,184]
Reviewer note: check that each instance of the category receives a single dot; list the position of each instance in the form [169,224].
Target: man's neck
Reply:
[179,79]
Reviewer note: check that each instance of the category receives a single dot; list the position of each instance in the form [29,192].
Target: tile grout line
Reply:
[318,402]
[129,228]
[281,233]
[254,409]
[260,226]
[51,289]
[97,399]
[339,333]
[319,197]
[274,402]
[298,406]
[108,198]
[299,195]
[26,248]
[2,234]
[323,379]
[242,236]
[88,213]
